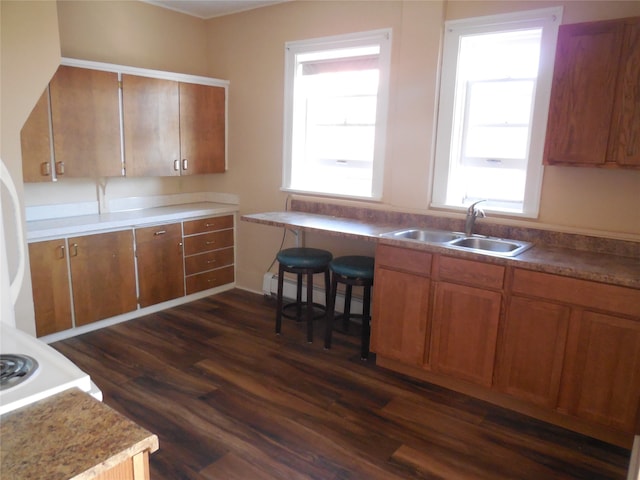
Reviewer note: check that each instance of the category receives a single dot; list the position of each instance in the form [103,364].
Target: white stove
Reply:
[54,373]
[51,372]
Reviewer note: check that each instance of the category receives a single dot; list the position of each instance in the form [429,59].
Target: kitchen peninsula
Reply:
[73,436]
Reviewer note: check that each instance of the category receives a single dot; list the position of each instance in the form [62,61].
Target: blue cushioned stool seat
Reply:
[302,261]
[354,266]
[301,257]
[351,270]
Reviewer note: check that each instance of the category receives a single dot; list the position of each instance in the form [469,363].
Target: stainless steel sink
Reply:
[424,235]
[475,243]
[509,248]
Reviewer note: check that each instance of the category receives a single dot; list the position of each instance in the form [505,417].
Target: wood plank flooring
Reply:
[230,400]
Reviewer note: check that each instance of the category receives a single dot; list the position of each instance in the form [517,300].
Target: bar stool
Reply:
[351,270]
[302,261]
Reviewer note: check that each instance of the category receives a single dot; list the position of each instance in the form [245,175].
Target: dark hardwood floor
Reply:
[230,400]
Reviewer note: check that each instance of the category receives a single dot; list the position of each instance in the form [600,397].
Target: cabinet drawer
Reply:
[404,259]
[148,234]
[469,272]
[211,279]
[208,241]
[585,293]
[210,224]
[207,261]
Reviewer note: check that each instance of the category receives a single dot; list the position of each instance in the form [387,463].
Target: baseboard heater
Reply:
[270,288]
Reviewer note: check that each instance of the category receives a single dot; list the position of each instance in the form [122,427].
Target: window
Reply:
[494,101]
[335,114]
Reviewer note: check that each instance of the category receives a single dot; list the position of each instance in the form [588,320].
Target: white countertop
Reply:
[60,227]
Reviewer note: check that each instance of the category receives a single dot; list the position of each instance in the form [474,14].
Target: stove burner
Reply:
[15,369]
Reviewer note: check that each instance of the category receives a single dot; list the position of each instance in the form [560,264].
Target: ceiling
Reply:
[211,8]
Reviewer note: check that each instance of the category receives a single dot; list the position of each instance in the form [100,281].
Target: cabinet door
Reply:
[50,280]
[625,136]
[151,126]
[85,116]
[35,140]
[583,93]
[603,372]
[202,129]
[400,316]
[531,350]
[103,275]
[465,330]
[160,263]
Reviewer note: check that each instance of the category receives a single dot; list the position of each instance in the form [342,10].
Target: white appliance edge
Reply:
[55,372]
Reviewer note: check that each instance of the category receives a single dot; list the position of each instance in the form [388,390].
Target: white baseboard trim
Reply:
[270,287]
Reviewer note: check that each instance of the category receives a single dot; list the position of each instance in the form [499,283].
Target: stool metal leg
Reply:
[330,313]
[299,297]
[279,301]
[310,307]
[346,313]
[366,323]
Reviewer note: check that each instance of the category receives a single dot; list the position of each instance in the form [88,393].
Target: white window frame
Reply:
[549,20]
[380,37]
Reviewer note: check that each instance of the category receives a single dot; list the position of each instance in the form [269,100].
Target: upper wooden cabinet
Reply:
[85,120]
[202,128]
[35,139]
[172,128]
[594,114]
[169,124]
[151,119]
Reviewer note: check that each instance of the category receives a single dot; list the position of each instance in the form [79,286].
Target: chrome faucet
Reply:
[472,214]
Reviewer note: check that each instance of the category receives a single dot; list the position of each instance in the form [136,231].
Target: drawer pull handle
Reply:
[209,225]
[45,169]
[62,255]
[60,168]
[209,262]
[209,242]
[185,164]
[176,165]
[75,250]
[160,232]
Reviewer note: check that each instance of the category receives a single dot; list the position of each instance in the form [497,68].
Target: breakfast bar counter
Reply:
[589,258]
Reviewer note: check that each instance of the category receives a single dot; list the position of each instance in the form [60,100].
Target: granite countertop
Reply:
[70,435]
[59,227]
[610,268]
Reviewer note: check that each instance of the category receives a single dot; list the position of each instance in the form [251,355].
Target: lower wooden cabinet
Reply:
[99,271]
[87,278]
[160,263]
[531,350]
[209,252]
[103,275]
[602,377]
[465,331]
[50,282]
[401,304]
[562,349]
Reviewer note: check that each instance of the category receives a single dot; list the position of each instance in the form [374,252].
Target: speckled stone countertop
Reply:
[70,435]
[601,260]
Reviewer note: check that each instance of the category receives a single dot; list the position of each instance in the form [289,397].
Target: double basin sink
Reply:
[474,243]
